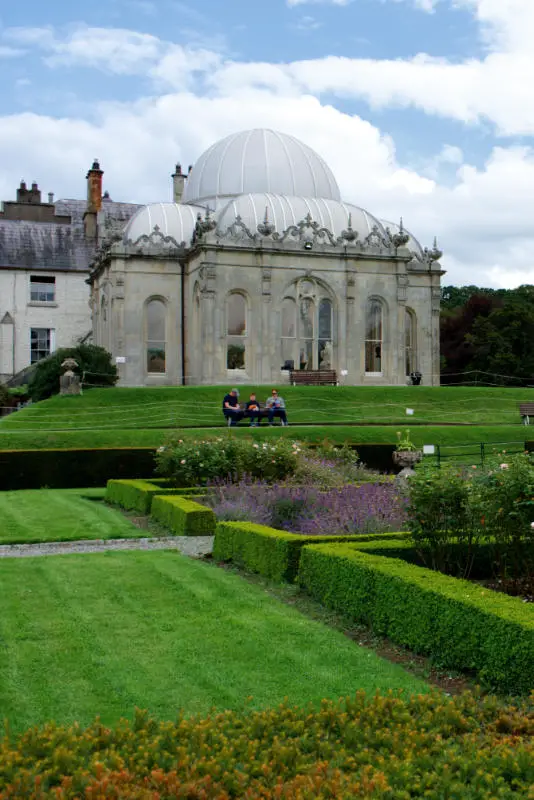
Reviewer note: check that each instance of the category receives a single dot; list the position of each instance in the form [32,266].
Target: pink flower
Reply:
[504,466]
[182,461]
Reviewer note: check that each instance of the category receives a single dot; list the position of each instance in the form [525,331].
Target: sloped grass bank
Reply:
[459,436]
[193,406]
[105,633]
[55,515]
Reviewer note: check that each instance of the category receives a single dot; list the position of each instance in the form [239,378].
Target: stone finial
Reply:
[401,238]
[266,227]
[435,254]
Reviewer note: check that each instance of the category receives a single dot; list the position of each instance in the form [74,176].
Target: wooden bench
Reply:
[313,377]
[526,410]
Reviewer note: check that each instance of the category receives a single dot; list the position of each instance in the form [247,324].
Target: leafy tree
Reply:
[502,341]
[94,364]
[458,350]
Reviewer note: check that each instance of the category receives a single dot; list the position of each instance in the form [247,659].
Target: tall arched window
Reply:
[410,341]
[236,331]
[289,332]
[374,327]
[155,326]
[307,329]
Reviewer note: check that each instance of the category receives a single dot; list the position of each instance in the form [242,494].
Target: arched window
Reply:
[307,329]
[289,332]
[155,326]
[236,331]
[374,337]
[410,341]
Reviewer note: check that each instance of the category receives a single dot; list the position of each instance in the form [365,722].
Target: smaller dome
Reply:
[284,211]
[171,219]
[412,245]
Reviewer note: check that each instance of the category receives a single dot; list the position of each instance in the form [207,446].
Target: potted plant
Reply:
[406,454]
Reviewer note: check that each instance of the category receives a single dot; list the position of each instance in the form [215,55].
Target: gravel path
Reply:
[194,546]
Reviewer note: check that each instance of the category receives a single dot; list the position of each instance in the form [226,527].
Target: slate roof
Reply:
[52,246]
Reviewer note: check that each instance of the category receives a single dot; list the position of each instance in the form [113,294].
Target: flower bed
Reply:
[351,510]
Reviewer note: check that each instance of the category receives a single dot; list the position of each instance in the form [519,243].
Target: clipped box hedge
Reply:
[184,517]
[459,624]
[268,551]
[137,495]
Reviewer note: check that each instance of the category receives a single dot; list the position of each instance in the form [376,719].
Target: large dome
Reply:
[258,161]
[171,219]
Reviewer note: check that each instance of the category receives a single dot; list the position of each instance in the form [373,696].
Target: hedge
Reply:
[459,624]
[136,495]
[268,551]
[184,517]
[72,469]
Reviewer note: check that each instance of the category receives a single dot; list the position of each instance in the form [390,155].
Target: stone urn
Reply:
[69,382]
[407,459]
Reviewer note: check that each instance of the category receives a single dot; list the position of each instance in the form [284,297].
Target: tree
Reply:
[457,347]
[502,341]
[94,366]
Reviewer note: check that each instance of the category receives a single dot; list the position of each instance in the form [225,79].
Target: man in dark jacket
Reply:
[231,408]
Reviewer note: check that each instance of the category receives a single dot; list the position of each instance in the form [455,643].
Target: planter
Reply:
[406,459]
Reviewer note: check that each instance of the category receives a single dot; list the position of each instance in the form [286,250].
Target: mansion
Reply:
[256,268]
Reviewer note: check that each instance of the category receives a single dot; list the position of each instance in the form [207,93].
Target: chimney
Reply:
[94,200]
[94,188]
[51,198]
[178,184]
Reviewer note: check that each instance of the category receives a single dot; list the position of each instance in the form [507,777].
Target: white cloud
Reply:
[482,216]
[10,52]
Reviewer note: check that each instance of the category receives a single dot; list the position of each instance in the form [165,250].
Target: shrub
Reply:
[183,517]
[460,625]
[385,746]
[258,548]
[94,364]
[503,502]
[190,463]
[137,495]
[439,512]
[4,396]
[350,510]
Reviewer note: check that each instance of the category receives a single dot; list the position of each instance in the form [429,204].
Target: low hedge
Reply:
[268,551]
[137,495]
[184,517]
[459,624]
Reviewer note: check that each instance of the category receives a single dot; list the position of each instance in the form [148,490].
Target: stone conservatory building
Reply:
[259,267]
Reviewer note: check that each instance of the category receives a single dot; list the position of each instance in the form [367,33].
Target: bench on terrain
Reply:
[526,410]
[313,377]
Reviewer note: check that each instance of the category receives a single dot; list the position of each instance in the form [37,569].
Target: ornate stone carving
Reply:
[375,241]
[401,238]
[237,231]
[266,228]
[349,235]
[156,241]
[307,231]
[203,226]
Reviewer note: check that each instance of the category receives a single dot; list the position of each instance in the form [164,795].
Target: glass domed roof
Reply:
[257,161]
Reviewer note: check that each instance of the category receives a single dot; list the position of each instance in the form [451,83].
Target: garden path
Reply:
[194,546]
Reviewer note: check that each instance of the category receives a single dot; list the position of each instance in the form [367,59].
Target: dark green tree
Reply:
[94,367]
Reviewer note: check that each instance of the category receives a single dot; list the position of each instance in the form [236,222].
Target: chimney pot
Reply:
[50,197]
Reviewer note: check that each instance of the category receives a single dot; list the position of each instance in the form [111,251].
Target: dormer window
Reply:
[42,289]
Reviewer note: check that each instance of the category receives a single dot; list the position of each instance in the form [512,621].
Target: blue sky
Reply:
[421,107]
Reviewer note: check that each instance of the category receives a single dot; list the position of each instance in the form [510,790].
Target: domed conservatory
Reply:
[258,270]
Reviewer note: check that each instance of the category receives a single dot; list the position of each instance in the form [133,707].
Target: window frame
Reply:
[43,280]
[148,341]
[375,341]
[47,351]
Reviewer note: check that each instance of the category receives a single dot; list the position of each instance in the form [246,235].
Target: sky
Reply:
[422,108]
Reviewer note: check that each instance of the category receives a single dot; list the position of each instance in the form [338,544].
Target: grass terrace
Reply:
[105,633]
[197,406]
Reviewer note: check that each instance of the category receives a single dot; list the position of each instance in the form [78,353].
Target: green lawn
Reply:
[57,515]
[101,634]
[11,439]
[191,406]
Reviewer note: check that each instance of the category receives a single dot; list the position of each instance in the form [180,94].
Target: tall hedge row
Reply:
[460,625]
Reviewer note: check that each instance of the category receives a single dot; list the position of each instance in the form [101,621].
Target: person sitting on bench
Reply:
[276,407]
[231,408]
[253,411]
